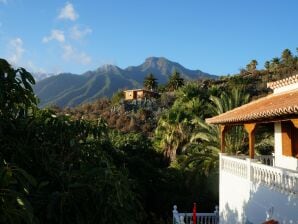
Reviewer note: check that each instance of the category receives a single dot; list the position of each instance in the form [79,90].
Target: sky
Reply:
[216,36]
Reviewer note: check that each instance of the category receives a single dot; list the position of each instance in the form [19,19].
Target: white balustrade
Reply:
[235,166]
[202,218]
[266,159]
[276,178]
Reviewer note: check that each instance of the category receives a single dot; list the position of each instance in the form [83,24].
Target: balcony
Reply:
[261,171]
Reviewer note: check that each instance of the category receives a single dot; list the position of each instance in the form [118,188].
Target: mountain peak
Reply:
[155,62]
[109,68]
[155,59]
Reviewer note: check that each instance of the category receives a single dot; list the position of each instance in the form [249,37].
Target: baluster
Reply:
[182,220]
[290,184]
[175,215]
[280,182]
[257,174]
[263,176]
[283,183]
[271,178]
[295,185]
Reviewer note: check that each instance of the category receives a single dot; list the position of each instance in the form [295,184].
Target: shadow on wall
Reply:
[264,203]
[233,216]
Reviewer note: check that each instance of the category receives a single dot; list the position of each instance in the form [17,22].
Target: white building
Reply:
[250,191]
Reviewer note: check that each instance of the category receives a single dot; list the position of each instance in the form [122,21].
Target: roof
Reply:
[272,107]
[129,90]
[283,82]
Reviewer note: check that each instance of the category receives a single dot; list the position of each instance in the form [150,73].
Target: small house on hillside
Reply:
[257,188]
[135,94]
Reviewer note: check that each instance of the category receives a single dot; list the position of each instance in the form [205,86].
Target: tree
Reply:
[171,132]
[16,102]
[251,67]
[175,126]
[16,94]
[117,97]
[267,65]
[275,63]
[287,58]
[204,146]
[175,81]
[55,165]
[150,82]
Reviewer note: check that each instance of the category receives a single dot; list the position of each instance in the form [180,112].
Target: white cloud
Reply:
[76,33]
[16,50]
[57,35]
[71,54]
[68,12]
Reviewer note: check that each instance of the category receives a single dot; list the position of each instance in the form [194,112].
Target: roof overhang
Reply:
[274,107]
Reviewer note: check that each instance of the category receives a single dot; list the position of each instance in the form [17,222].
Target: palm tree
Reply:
[175,81]
[175,126]
[275,62]
[287,58]
[252,66]
[203,148]
[267,65]
[172,132]
[204,144]
[150,82]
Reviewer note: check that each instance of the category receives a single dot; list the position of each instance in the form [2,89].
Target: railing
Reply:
[202,218]
[266,159]
[234,165]
[276,178]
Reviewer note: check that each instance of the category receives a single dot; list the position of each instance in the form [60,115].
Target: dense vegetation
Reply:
[103,163]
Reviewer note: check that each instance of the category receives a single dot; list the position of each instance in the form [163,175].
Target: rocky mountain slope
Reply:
[67,90]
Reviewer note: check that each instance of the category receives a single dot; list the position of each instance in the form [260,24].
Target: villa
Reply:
[255,189]
[135,94]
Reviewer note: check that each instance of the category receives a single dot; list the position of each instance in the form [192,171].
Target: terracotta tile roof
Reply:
[283,82]
[273,106]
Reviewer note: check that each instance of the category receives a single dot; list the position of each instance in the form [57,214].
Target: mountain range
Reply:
[68,90]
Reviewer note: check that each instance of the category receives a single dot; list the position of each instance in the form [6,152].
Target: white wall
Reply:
[280,160]
[241,201]
[233,195]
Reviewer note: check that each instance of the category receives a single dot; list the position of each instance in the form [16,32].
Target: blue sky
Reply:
[216,36]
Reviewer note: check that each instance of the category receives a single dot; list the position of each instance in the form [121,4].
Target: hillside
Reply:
[68,90]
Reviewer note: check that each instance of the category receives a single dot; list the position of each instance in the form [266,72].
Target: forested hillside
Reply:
[103,162]
[68,90]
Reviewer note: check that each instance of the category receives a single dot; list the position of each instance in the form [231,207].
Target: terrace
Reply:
[258,188]
[261,170]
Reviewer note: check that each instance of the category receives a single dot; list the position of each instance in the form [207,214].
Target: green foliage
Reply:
[16,95]
[252,66]
[150,82]
[175,81]
[175,125]
[14,189]
[117,97]
[55,169]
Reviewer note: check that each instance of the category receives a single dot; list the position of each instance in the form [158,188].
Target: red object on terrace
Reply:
[194,213]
